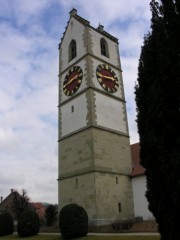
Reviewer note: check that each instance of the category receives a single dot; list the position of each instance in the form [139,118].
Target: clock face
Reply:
[72,80]
[107,78]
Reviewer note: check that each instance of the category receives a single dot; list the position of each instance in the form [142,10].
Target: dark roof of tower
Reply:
[100,28]
[73,13]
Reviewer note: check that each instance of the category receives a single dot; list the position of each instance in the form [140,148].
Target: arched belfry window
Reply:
[72,50]
[104,47]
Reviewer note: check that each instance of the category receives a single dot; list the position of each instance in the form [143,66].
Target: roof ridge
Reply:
[73,13]
[82,20]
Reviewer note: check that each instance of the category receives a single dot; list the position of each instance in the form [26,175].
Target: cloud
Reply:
[109,11]
[28,90]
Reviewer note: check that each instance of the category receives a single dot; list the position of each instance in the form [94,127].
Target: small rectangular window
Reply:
[76,182]
[72,108]
[116,180]
[119,207]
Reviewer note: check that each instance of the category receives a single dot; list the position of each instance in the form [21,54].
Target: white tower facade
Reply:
[94,149]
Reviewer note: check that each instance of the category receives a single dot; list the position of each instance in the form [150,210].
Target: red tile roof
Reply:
[137,168]
[40,210]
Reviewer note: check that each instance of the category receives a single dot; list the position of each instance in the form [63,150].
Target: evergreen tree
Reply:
[158,115]
[51,212]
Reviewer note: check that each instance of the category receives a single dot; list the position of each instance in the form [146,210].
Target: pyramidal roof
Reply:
[100,28]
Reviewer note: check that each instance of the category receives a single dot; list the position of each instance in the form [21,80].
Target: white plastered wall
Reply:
[74,115]
[113,53]
[110,113]
[74,31]
[140,201]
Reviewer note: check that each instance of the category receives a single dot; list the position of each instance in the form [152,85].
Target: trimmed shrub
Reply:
[73,221]
[28,224]
[6,224]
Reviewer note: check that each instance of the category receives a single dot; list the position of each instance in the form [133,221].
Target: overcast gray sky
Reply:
[30,31]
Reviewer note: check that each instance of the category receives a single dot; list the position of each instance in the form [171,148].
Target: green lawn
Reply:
[37,237]
[57,237]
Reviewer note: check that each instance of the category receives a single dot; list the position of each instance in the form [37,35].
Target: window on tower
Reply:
[117,180]
[76,182]
[72,50]
[119,207]
[104,47]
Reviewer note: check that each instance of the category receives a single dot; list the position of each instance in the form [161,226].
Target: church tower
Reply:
[94,148]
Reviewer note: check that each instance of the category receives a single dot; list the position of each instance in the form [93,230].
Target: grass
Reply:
[57,237]
[37,237]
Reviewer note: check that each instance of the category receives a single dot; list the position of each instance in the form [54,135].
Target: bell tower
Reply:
[94,149]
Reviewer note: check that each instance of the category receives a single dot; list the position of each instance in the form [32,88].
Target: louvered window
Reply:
[72,50]
[104,47]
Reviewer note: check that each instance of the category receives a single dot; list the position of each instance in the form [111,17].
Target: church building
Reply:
[94,149]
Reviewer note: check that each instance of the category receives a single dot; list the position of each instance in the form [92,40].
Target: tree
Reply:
[73,221]
[158,115]
[28,224]
[51,212]
[20,202]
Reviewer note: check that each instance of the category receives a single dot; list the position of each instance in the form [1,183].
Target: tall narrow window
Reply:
[119,207]
[104,47]
[117,180]
[72,108]
[76,182]
[72,50]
